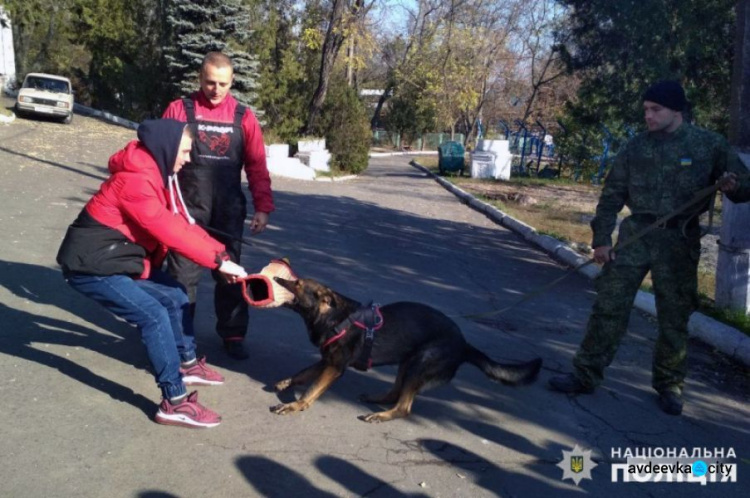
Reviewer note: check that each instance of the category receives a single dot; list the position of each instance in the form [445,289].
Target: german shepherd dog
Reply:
[427,346]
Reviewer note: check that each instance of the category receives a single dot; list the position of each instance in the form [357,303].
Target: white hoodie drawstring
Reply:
[174,184]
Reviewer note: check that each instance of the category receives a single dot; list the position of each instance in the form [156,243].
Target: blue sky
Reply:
[392,13]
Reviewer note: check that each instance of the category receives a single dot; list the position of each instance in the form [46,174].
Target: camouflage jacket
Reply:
[656,173]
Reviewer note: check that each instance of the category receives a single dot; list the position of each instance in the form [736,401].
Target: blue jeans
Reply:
[158,307]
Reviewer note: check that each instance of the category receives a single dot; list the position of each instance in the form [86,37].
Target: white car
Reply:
[46,95]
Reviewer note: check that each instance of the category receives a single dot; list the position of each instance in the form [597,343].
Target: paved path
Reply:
[77,399]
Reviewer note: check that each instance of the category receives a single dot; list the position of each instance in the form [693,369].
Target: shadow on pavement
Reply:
[270,478]
[58,165]
[493,477]
[356,480]
[22,330]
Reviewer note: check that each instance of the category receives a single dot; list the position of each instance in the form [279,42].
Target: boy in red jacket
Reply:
[114,250]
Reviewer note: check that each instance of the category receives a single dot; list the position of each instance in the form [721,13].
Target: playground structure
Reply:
[536,150]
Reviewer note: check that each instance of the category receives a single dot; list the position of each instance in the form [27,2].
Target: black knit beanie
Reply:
[667,93]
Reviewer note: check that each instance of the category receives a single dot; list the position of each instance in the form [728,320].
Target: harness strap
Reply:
[338,336]
[372,322]
[189,106]
[239,113]
[368,318]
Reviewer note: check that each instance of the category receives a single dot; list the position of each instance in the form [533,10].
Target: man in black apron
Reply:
[228,139]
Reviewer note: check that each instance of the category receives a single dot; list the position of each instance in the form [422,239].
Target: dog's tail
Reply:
[514,375]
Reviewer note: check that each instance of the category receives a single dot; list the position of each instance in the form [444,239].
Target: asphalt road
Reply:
[77,400]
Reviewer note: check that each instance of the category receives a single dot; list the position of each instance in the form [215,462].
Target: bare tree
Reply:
[540,61]
[344,14]
[400,53]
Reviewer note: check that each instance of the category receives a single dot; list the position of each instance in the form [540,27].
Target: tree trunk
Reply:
[42,58]
[333,41]
[350,63]
[381,101]
[21,47]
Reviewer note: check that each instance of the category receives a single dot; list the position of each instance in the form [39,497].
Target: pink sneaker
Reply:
[189,413]
[201,375]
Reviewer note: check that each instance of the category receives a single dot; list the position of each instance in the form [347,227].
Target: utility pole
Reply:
[733,268]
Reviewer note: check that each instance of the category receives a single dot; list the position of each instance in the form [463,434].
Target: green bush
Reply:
[270,136]
[346,128]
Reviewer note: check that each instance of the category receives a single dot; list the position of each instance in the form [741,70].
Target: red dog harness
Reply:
[367,318]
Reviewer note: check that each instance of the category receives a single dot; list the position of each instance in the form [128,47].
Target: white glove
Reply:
[233,269]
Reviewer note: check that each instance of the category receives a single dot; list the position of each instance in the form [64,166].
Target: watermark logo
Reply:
[702,465]
[699,468]
[576,465]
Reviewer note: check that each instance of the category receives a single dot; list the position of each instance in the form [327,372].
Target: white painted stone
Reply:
[277,150]
[491,159]
[317,160]
[290,167]
[311,145]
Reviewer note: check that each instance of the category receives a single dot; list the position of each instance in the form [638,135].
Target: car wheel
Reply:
[68,119]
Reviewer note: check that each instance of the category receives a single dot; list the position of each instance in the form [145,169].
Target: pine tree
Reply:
[200,26]
[621,47]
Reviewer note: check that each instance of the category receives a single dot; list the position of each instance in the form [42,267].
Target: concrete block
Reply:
[569,256]
[317,160]
[311,145]
[290,167]
[518,226]
[277,150]
[491,164]
[549,244]
[495,214]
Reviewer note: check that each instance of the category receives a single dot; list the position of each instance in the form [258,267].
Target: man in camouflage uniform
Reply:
[656,172]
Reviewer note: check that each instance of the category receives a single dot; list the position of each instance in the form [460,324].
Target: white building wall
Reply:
[7,54]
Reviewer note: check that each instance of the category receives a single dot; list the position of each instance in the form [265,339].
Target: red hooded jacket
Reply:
[129,224]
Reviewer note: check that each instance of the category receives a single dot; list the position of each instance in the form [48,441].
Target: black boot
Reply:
[670,402]
[569,384]
[236,350]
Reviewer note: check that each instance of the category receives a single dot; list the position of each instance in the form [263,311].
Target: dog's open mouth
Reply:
[261,290]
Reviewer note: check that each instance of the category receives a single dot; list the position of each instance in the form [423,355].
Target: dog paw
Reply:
[370,419]
[284,408]
[282,385]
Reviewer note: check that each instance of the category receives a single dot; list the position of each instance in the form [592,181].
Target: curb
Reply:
[410,153]
[726,339]
[335,179]
[323,179]
[104,116]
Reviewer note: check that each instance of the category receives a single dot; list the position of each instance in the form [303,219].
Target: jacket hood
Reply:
[162,139]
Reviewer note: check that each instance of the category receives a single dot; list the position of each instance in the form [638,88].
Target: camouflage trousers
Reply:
[672,259]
